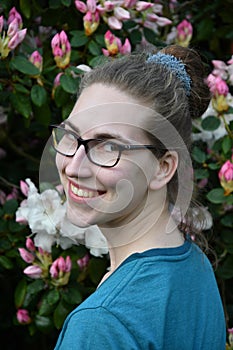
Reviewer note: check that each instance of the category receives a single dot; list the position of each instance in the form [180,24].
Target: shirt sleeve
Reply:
[95,328]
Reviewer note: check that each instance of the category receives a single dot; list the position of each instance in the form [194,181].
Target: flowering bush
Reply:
[43,51]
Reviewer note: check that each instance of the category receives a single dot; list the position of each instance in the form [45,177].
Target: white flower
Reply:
[45,214]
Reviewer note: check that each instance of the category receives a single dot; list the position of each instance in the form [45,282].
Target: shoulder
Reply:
[94,328]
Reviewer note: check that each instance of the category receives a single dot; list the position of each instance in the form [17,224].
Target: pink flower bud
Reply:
[121,13]
[17,39]
[23,316]
[26,256]
[130,3]
[114,23]
[81,6]
[184,33]
[83,262]
[14,14]
[226,177]
[54,269]
[1,23]
[91,22]
[68,264]
[55,41]
[61,264]
[24,187]
[91,5]
[126,48]
[36,59]
[57,79]
[33,271]
[30,244]
[143,5]
[109,5]
[63,38]
[13,28]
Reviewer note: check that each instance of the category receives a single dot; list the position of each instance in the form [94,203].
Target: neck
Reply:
[141,234]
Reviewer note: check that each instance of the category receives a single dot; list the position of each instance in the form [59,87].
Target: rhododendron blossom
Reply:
[45,214]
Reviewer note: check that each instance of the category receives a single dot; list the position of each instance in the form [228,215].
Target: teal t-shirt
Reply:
[161,299]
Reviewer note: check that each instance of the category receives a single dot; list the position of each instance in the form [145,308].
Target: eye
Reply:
[110,147]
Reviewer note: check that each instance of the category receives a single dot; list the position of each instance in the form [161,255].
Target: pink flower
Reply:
[60,266]
[226,177]
[114,23]
[17,39]
[217,85]
[61,49]
[30,244]
[184,33]
[121,14]
[1,23]
[114,45]
[37,60]
[33,271]
[220,69]
[143,5]
[13,28]
[83,262]
[81,6]
[26,256]
[91,5]
[24,187]
[23,316]
[14,15]
[91,22]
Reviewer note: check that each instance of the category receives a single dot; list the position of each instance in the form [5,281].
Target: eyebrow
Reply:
[99,135]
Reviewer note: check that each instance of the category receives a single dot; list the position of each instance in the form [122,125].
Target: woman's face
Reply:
[106,196]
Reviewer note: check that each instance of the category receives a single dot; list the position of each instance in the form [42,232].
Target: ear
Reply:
[165,170]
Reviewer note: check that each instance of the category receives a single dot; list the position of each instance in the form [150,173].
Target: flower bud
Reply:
[121,13]
[30,244]
[81,6]
[114,23]
[83,262]
[33,271]
[37,60]
[23,316]
[26,256]
[14,15]
[184,33]
[91,22]
[226,177]
[24,187]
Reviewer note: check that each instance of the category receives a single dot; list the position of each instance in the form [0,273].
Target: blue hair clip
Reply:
[175,66]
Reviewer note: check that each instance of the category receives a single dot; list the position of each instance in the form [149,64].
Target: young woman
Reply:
[123,159]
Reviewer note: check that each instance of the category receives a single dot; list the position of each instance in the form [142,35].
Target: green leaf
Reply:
[227,236]
[100,39]
[60,96]
[15,226]
[43,323]
[49,302]
[20,293]
[66,3]
[198,155]
[22,104]
[24,66]
[96,268]
[79,38]
[213,166]
[227,221]
[43,114]
[226,270]
[201,174]
[226,144]
[69,84]
[10,206]
[149,35]
[210,123]
[66,110]
[216,196]
[21,88]
[135,37]
[6,263]
[25,7]
[60,313]
[35,287]
[72,296]
[94,48]
[54,4]
[38,95]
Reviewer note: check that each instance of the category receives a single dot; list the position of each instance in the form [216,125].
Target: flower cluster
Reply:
[45,214]
[13,35]
[114,45]
[114,13]
[61,49]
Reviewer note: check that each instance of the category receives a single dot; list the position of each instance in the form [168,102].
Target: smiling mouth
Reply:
[84,192]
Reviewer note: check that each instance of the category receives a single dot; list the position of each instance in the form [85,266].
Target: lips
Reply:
[83,192]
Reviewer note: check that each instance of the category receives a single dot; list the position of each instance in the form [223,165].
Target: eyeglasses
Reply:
[103,153]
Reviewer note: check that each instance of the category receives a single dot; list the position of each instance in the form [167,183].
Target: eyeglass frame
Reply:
[83,142]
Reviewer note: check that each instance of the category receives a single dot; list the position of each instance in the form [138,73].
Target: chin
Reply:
[77,221]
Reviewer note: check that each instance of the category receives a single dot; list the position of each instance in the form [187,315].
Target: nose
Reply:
[79,165]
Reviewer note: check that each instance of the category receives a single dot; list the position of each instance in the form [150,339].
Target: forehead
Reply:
[102,107]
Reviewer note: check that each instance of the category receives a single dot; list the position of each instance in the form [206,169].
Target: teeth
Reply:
[82,193]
